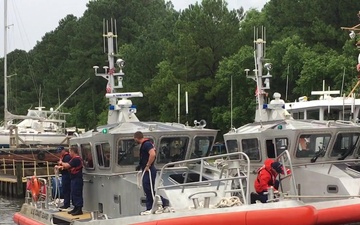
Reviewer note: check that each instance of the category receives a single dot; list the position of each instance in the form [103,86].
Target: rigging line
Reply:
[19,21]
[21,25]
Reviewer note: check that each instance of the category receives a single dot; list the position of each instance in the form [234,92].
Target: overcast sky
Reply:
[29,20]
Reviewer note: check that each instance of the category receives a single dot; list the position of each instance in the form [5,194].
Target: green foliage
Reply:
[200,48]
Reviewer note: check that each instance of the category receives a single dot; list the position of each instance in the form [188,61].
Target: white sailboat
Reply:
[38,127]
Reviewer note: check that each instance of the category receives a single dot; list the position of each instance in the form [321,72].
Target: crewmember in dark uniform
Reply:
[75,167]
[146,164]
[65,177]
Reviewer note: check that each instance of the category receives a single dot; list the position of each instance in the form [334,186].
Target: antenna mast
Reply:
[259,43]
[5,65]
[119,110]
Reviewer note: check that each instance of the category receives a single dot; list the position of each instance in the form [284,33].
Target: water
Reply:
[8,207]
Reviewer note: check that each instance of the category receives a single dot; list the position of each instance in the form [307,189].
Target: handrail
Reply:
[321,196]
[202,161]
[11,164]
[326,162]
[283,157]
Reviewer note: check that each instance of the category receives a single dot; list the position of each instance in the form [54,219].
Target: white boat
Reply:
[324,153]
[40,128]
[34,129]
[326,107]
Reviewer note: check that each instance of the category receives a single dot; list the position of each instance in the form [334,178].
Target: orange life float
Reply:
[339,215]
[21,219]
[35,188]
[302,215]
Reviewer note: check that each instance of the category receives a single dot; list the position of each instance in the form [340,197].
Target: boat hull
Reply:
[21,219]
[35,139]
[250,215]
[303,215]
[338,212]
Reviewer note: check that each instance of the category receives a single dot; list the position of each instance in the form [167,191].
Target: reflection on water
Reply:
[8,207]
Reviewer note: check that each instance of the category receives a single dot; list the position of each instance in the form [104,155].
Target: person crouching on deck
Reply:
[266,178]
[75,167]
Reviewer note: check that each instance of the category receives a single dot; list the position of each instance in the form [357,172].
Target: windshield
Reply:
[172,149]
[251,148]
[202,146]
[310,144]
[345,144]
[128,152]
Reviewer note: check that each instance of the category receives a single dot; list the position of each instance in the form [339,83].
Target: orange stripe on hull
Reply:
[305,215]
[339,215]
[23,220]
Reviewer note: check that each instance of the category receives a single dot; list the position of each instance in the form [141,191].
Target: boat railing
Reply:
[19,167]
[42,200]
[331,163]
[288,168]
[236,168]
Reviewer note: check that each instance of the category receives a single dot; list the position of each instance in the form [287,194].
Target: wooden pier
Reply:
[13,175]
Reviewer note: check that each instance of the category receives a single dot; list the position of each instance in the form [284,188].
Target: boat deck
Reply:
[65,216]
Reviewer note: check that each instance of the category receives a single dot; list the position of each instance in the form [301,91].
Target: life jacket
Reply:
[271,181]
[75,170]
[265,177]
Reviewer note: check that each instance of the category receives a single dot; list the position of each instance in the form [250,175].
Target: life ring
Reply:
[34,188]
[41,156]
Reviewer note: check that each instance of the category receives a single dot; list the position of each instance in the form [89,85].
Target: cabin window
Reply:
[172,149]
[128,152]
[345,144]
[218,149]
[298,115]
[202,146]
[310,144]
[251,148]
[281,145]
[270,149]
[87,156]
[232,146]
[312,115]
[103,154]
[332,115]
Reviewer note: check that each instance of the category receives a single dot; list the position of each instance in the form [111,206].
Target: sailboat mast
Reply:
[5,64]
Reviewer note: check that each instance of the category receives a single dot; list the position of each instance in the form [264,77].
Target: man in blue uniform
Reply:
[75,167]
[65,177]
[146,164]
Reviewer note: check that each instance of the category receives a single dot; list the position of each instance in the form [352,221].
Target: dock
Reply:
[13,175]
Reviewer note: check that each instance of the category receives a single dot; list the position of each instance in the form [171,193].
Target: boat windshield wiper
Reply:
[347,152]
[321,153]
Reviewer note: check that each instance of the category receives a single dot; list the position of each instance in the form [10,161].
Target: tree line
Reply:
[201,48]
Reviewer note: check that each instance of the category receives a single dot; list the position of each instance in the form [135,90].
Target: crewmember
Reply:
[266,178]
[75,167]
[65,176]
[146,164]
